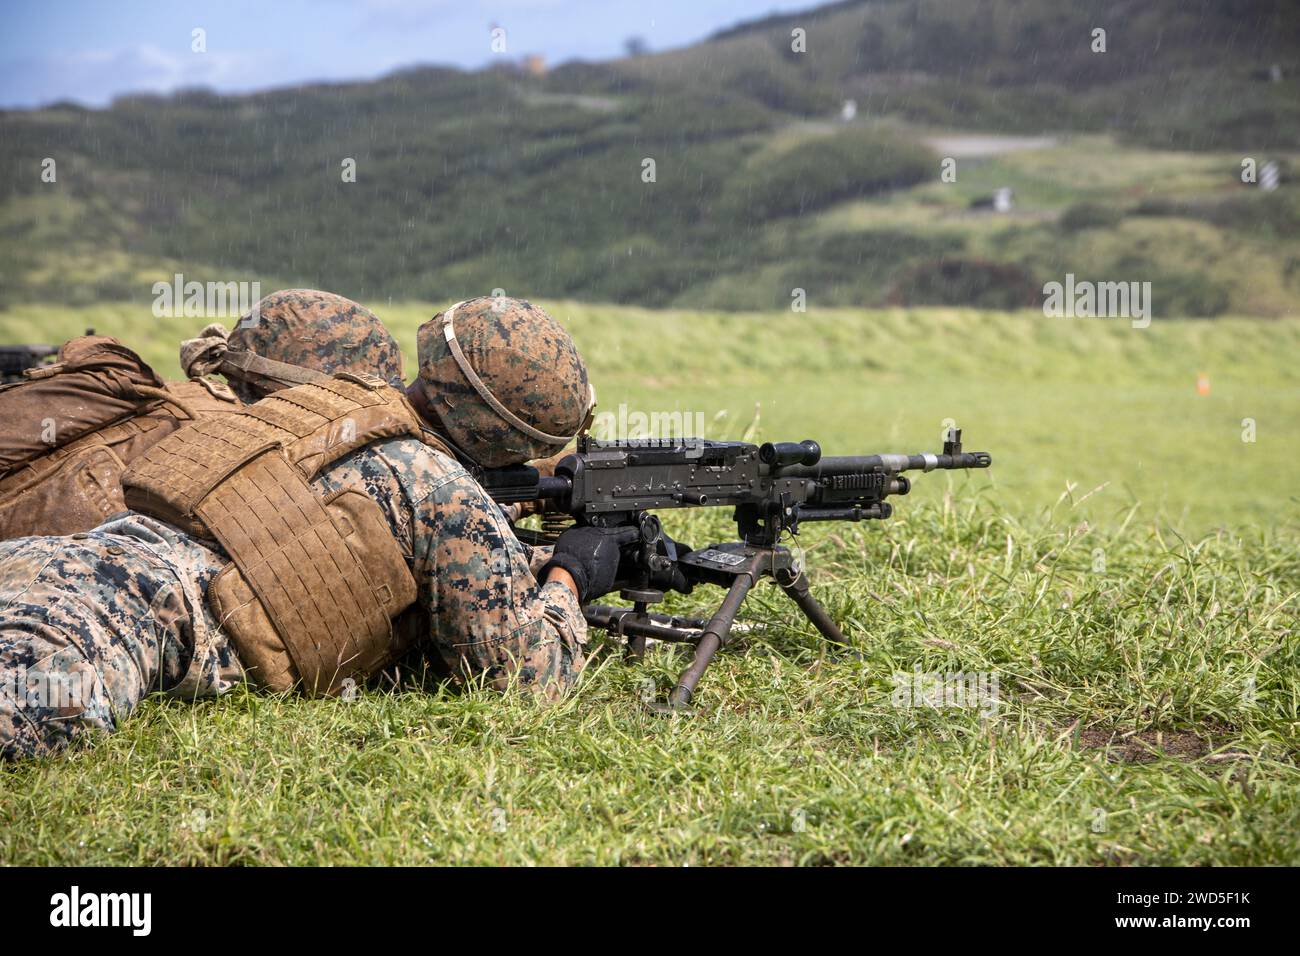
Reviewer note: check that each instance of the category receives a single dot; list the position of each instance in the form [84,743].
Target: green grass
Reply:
[1143,636]
[1168,638]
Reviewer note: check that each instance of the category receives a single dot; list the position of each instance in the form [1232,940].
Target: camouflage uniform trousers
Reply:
[91,623]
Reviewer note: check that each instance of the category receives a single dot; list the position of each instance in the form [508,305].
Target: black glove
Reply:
[592,556]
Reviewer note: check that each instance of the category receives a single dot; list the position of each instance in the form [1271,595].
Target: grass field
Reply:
[1128,572]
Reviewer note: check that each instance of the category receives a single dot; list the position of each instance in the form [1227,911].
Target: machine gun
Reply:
[774,488]
[17,359]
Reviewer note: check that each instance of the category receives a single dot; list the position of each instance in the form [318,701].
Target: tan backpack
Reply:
[69,431]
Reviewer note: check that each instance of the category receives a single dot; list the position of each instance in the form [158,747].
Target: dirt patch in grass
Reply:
[1145,746]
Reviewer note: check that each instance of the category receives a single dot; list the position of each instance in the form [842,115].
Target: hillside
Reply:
[469,181]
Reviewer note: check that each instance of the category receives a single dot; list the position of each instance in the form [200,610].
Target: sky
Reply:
[92,50]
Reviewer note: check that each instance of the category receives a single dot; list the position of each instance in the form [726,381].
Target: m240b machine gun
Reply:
[773,488]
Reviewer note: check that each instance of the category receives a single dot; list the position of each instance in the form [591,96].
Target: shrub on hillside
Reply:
[826,170]
[778,86]
[1188,295]
[1091,215]
[1247,210]
[969,282]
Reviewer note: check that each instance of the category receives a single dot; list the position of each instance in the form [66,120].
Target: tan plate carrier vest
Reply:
[314,583]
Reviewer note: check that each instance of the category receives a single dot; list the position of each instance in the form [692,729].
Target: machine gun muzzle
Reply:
[785,466]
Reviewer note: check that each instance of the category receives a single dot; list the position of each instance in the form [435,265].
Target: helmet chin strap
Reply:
[591,410]
[254,369]
[485,393]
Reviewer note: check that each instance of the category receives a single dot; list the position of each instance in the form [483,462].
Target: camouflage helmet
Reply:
[312,330]
[502,380]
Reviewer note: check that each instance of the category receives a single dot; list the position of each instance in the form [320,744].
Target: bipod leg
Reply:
[799,592]
[711,639]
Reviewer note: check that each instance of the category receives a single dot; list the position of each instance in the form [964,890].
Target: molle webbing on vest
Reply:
[329,588]
[315,424]
[333,619]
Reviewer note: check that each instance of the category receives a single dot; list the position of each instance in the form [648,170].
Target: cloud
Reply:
[94,77]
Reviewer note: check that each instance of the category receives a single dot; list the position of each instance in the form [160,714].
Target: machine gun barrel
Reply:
[883,464]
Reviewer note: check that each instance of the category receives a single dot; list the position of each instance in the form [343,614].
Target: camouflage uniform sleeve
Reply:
[490,618]
[538,558]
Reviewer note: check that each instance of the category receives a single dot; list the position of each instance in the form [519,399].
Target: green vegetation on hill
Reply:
[466,182]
